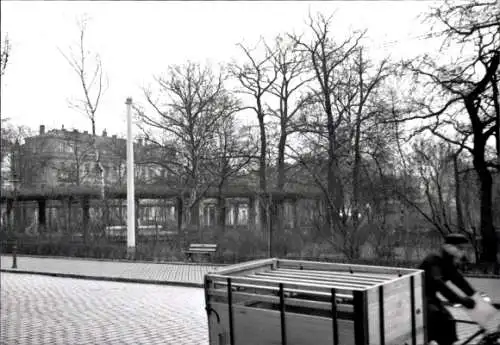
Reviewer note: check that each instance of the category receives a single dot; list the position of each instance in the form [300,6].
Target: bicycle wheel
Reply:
[491,339]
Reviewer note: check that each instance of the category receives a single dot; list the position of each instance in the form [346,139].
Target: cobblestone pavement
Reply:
[155,272]
[49,310]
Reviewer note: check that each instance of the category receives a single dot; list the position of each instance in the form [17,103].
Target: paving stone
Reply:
[176,273]
[48,310]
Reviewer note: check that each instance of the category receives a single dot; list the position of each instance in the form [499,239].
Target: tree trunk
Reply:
[357,153]
[179,214]
[221,212]
[333,192]
[69,203]
[280,184]
[496,103]
[489,240]
[332,201]
[268,205]
[251,212]
[262,173]
[195,213]
[355,172]
[458,199]
[278,214]
[488,236]
[85,219]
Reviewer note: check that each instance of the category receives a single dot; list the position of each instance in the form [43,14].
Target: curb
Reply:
[102,278]
[117,260]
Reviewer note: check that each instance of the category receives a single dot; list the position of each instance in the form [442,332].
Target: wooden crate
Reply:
[292,302]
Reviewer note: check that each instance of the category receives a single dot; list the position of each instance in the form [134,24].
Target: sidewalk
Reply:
[137,272]
[153,273]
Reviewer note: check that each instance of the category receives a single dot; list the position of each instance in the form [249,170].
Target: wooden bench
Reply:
[200,248]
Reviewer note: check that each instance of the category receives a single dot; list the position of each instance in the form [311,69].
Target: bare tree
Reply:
[4,54]
[256,77]
[292,76]
[232,152]
[468,87]
[88,68]
[433,164]
[188,109]
[326,57]
[8,137]
[365,88]
[12,157]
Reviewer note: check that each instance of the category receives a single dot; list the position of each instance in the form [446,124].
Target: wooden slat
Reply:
[361,335]
[202,247]
[247,266]
[397,311]
[284,263]
[277,273]
[362,276]
[200,250]
[281,277]
[289,285]
[195,245]
[309,283]
[269,288]
[296,302]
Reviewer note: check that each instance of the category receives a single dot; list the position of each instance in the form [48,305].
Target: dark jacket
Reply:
[439,268]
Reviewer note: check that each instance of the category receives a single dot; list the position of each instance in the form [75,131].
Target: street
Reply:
[48,310]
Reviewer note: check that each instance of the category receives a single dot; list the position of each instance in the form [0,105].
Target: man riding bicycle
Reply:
[440,268]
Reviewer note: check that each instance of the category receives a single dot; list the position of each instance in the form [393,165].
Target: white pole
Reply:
[130,180]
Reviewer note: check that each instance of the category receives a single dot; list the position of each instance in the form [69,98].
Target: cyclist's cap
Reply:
[455,239]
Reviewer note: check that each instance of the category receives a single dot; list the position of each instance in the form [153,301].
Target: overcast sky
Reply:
[137,40]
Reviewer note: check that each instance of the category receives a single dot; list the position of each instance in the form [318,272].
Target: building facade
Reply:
[61,157]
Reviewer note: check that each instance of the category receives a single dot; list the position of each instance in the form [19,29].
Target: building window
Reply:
[68,148]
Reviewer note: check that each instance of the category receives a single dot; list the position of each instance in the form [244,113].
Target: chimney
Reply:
[86,132]
[139,142]
[42,129]
[63,129]
[114,137]
[104,133]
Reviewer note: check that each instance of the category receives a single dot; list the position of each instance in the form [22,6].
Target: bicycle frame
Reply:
[473,336]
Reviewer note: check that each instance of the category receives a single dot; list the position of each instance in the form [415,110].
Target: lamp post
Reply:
[130,182]
[15,183]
